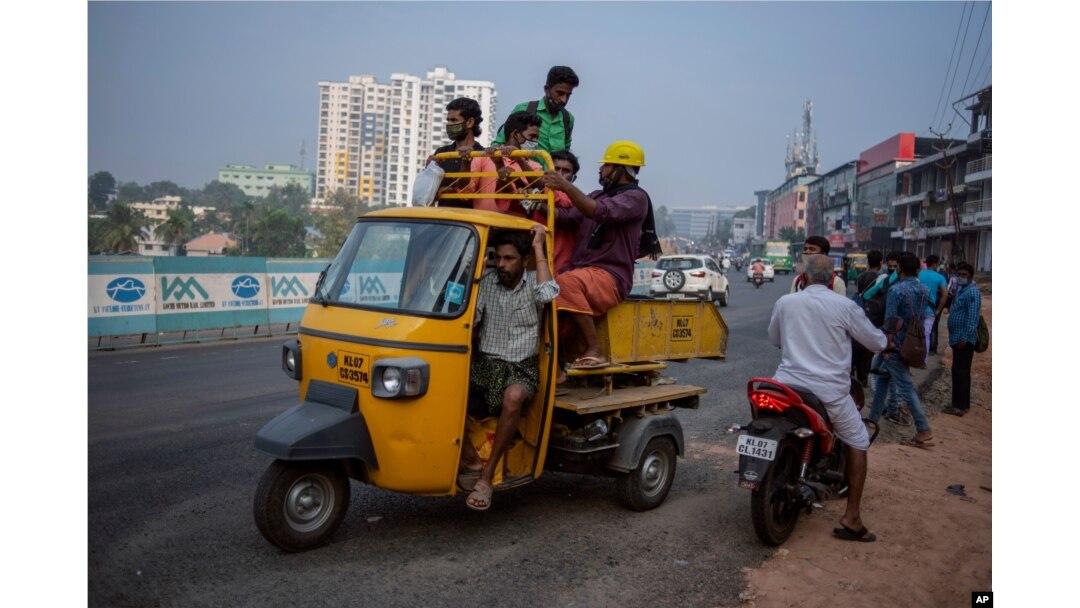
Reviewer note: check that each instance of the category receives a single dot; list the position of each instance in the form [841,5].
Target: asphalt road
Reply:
[172,472]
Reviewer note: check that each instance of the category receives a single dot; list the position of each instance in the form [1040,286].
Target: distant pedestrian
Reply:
[906,305]
[818,245]
[937,287]
[875,297]
[963,328]
[861,357]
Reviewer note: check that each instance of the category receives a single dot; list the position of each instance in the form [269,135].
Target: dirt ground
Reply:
[933,548]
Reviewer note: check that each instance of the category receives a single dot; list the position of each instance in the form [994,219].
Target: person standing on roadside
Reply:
[937,286]
[861,357]
[818,245]
[963,333]
[556,122]
[906,304]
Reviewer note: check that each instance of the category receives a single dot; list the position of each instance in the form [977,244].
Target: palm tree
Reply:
[177,229]
[124,226]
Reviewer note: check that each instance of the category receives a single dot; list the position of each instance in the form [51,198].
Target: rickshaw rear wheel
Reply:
[647,486]
[299,505]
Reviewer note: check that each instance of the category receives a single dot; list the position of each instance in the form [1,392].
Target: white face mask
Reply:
[961,281]
[529,145]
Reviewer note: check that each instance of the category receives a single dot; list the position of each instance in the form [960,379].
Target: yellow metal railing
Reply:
[546,195]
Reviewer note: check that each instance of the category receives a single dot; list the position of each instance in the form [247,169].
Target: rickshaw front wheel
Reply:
[647,486]
[298,505]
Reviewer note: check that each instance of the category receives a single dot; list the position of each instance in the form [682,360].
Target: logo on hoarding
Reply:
[125,289]
[245,286]
[180,287]
[285,287]
[372,285]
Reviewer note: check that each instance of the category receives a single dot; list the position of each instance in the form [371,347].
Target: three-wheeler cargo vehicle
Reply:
[382,360]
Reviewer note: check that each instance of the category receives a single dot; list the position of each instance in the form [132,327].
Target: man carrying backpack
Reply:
[964,314]
[556,122]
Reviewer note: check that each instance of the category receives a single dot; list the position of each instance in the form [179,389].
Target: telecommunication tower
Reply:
[802,154]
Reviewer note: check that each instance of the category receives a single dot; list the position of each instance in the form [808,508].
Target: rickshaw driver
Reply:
[505,370]
[609,223]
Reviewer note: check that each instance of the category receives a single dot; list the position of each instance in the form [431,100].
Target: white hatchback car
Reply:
[690,276]
[769,274]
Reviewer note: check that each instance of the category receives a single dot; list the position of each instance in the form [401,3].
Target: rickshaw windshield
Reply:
[406,267]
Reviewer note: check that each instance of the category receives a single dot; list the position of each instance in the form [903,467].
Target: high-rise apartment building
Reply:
[374,138]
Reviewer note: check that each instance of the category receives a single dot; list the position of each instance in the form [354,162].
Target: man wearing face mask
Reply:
[463,118]
[614,227]
[523,129]
[556,122]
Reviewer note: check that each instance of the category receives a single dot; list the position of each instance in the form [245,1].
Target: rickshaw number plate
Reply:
[354,368]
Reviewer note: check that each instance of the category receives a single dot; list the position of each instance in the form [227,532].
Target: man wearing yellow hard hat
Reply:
[614,227]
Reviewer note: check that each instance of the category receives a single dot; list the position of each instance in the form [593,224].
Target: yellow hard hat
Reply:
[624,152]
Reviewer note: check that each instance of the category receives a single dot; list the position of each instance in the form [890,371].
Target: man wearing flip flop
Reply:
[609,223]
[505,370]
[814,328]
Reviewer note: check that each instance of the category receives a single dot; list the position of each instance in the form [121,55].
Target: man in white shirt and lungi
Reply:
[814,328]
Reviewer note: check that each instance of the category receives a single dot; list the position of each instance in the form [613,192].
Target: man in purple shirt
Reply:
[609,224]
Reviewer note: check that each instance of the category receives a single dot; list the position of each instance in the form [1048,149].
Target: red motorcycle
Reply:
[789,457]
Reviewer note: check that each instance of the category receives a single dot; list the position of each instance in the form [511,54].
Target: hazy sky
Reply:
[710,90]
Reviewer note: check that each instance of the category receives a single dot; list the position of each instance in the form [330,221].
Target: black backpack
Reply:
[567,120]
[875,307]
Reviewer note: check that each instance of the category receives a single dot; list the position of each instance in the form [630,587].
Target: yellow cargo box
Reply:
[661,330]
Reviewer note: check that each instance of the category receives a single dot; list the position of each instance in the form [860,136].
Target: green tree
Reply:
[790,234]
[124,226]
[277,233]
[177,229]
[222,196]
[130,192]
[163,188]
[102,184]
[748,212]
[211,221]
[96,227]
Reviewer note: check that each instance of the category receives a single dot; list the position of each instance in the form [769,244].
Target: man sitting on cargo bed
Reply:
[505,369]
[610,225]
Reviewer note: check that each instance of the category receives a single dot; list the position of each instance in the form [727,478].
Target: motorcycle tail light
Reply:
[763,400]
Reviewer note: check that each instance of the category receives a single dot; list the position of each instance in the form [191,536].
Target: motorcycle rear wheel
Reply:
[773,510]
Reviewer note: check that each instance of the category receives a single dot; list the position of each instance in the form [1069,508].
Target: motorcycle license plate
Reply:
[756,447]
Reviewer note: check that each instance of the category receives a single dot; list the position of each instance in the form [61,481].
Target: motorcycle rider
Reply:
[814,328]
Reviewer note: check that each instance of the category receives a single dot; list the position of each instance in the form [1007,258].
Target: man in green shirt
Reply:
[556,122]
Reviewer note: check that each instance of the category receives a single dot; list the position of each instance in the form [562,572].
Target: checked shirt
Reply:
[509,319]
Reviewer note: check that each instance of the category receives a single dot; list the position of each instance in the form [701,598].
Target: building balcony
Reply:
[909,199]
[979,170]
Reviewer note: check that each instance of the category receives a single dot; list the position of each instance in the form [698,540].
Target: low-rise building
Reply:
[943,205]
[742,230]
[212,243]
[157,211]
[259,182]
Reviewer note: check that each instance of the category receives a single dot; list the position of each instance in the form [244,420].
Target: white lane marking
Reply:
[126,362]
[176,357]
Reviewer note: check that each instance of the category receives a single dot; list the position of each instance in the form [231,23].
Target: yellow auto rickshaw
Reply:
[382,360]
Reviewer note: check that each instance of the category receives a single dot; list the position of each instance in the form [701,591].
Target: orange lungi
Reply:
[589,290]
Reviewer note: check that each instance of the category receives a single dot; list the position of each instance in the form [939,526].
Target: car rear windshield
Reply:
[678,264]
[408,267]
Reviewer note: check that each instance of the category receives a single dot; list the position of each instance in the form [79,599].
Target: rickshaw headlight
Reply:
[391,379]
[290,359]
[400,377]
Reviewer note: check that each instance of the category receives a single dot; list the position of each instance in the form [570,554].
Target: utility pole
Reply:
[946,165]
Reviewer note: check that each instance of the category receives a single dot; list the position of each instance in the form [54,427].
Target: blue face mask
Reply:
[961,281]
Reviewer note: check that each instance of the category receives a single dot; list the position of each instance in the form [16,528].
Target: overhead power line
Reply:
[959,58]
[948,66]
[982,30]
